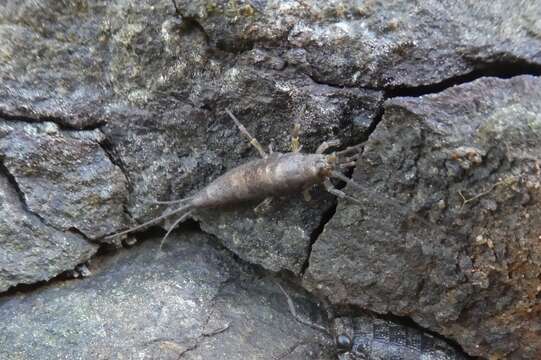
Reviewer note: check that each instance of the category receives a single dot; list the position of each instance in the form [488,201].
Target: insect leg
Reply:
[348,164]
[295,141]
[330,188]
[244,131]
[161,217]
[326,145]
[306,195]
[296,316]
[263,206]
[183,217]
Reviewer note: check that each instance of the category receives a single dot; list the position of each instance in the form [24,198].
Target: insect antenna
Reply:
[160,202]
[186,207]
[178,221]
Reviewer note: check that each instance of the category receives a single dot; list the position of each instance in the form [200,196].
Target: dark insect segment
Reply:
[367,337]
[275,174]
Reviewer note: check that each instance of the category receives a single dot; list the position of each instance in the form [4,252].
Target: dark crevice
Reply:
[329,214]
[502,70]
[497,69]
[325,218]
[189,23]
[62,124]
[110,150]
[29,288]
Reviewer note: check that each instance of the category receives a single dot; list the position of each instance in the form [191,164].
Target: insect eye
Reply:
[343,342]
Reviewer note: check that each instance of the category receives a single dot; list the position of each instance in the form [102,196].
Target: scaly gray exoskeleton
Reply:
[367,337]
[275,174]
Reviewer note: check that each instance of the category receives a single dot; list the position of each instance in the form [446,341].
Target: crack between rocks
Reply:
[497,69]
[62,124]
[11,179]
[108,148]
[325,218]
[329,214]
[501,70]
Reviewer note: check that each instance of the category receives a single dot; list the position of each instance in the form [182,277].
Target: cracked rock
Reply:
[191,301]
[376,43]
[65,176]
[174,154]
[31,251]
[279,239]
[454,247]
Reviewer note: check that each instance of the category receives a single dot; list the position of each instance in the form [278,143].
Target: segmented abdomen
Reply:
[277,175]
[377,339]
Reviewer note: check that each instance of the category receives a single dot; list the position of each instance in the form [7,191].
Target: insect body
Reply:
[371,338]
[276,174]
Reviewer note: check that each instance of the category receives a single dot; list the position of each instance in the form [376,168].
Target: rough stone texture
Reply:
[31,251]
[376,43]
[278,239]
[66,177]
[190,302]
[157,82]
[467,269]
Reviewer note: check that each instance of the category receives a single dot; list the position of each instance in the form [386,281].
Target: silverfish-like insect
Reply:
[369,338]
[275,174]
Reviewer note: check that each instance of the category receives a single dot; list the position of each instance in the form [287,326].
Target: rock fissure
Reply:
[62,124]
[499,70]
[4,170]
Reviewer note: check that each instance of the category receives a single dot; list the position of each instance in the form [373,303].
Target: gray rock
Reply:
[181,151]
[448,232]
[278,239]
[159,90]
[376,43]
[31,251]
[66,177]
[190,302]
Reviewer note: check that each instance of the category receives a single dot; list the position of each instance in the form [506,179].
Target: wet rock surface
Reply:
[30,250]
[193,301]
[448,231]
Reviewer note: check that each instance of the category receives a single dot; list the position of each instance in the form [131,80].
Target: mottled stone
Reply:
[376,43]
[449,227]
[187,148]
[191,301]
[277,239]
[65,176]
[31,251]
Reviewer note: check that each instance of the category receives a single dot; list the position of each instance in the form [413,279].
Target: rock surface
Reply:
[66,177]
[279,239]
[31,251]
[193,301]
[155,76]
[449,229]
[376,43]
